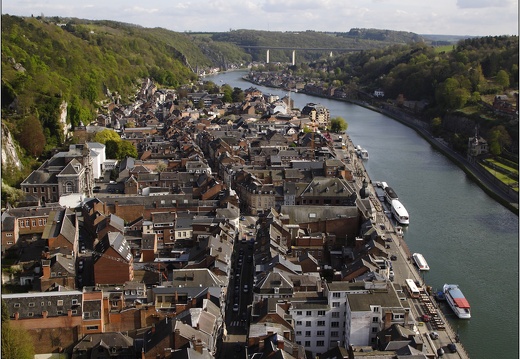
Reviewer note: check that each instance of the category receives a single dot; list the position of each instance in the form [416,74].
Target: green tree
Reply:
[502,79]
[499,138]
[436,126]
[16,342]
[106,135]
[238,95]
[338,124]
[112,148]
[126,149]
[228,93]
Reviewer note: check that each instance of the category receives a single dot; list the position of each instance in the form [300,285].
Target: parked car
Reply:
[246,288]
[235,307]
[393,257]
[434,335]
[452,347]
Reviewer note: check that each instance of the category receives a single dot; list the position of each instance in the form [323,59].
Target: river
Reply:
[467,238]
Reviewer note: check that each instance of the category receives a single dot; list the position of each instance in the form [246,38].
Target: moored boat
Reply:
[458,303]
[390,194]
[400,213]
[420,261]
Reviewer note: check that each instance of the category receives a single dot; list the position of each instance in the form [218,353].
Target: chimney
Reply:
[197,345]
[69,313]
[280,343]
[16,315]
[44,314]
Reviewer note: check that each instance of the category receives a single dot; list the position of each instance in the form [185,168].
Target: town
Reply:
[245,229]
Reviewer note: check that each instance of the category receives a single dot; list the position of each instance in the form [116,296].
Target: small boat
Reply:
[400,213]
[420,261]
[399,231]
[458,303]
[439,295]
[361,152]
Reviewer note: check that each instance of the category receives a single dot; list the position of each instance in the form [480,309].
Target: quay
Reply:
[404,268]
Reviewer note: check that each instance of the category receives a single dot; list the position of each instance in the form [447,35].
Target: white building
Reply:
[97,153]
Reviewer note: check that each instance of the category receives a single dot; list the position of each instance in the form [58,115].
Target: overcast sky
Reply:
[446,17]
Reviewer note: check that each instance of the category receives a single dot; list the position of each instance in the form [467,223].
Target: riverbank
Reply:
[497,190]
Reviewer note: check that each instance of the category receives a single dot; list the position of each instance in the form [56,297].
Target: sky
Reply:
[425,17]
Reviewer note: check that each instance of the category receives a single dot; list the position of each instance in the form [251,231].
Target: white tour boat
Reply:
[420,261]
[400,213]
[458,303]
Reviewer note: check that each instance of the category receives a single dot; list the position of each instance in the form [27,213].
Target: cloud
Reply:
[473,4]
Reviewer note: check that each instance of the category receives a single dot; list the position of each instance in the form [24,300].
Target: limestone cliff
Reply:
[9,150]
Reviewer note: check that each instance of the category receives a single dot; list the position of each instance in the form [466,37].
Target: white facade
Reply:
[97,153]
[312,326]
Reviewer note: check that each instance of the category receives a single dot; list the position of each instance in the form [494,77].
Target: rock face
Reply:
[9,152]
[63,119]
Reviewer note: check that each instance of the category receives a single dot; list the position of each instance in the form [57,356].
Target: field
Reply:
[502,176]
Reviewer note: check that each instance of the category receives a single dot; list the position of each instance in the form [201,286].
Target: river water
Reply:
[467,238]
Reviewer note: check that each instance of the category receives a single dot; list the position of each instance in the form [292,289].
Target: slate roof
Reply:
[118,242]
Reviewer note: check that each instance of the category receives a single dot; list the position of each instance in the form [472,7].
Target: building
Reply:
[68,172]
[113,260]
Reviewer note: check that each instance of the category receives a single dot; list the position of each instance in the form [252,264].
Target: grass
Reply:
[503,178]
[445,48]
[501,165]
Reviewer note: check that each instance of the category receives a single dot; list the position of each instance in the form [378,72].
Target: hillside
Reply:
[58,72]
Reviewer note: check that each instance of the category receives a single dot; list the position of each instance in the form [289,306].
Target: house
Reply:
[113,260]
[55,315]
[61,231]
[57,269]
[105,345]
[24,221]
[68,172]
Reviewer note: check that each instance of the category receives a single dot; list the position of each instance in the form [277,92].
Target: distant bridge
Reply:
[293,49]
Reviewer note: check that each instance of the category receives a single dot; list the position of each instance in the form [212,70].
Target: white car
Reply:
[235,307]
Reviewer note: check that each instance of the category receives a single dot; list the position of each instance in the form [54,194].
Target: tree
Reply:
[112,148]
[126,149]
[106,135]
[498,140]
[31,136]
[238,95]
[502,79]
[338,124]
[16,342]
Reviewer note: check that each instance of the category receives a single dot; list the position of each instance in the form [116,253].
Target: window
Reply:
[321,323]
[376,309]
[375,320]
[40,222]
[16,305]
[336,295]
[298,322]
[30,314]
[308,333]
[320,333]
[321,312]
[335,304]
[68,187]
[33,222]
[298,312]
[10,242]
[307,343]
[374,330]
[60,302]
[86,315]
[308,323]
[320,343]
[27,223]
[21,223]
[298,332]
[34,190]
[334,325]
[31,304]
[9,234]
[74,311]
[308,313]
[334,334]
[92,327]
[49,303]
[42,304]
[60,312]
[95,314]
[74,301]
